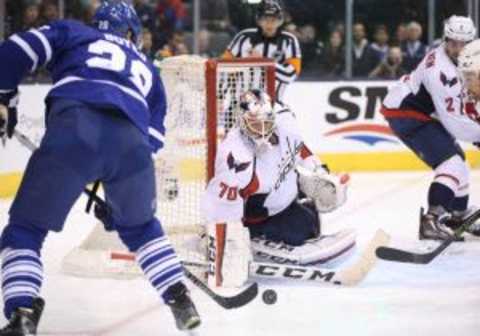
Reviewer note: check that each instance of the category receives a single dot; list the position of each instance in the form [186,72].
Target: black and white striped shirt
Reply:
[284,48]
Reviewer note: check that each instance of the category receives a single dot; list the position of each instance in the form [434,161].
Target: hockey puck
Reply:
[269,296]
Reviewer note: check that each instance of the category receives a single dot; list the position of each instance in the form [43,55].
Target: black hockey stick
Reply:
[398,255]
[227,302]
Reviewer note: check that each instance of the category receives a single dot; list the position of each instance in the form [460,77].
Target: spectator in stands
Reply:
[307,36]
[49,11]
[215,16]
[333,57]
[146,14]
[147,44]
[31,16]
[175,46]
[392,67]
[82,10]
[413,49]
[205,47]
[365,58]
[339,27]
[241,13]
[291,28]
[401,34]
[381,37]
[171,14]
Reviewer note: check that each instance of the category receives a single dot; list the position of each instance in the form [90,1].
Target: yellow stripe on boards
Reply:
[191,170]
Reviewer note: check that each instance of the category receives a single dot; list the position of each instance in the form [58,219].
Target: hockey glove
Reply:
[328,191]
[8,114]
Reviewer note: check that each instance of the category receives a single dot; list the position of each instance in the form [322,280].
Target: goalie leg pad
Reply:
[229,254]
[292,226]
[314,251]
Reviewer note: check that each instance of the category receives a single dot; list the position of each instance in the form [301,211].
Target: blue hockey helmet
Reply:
[118,17]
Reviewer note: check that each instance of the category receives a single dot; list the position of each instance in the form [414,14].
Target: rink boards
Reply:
[340,122]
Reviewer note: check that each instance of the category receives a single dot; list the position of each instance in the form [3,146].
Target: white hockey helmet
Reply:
[256,117]
[459,28]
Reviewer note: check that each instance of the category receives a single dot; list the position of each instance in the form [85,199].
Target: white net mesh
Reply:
[181,167]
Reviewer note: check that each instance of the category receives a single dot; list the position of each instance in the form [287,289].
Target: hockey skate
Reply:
[24,321]
[458,218]
[433,226]
[178,299]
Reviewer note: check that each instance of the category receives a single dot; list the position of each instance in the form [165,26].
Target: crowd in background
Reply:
[389,41]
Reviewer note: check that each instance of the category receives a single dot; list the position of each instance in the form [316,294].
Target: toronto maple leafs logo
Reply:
[238,167]
[445,81]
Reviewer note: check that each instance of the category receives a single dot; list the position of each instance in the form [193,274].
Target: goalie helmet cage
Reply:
[202,97]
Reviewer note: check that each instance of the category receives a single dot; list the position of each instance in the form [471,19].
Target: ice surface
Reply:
[442,298]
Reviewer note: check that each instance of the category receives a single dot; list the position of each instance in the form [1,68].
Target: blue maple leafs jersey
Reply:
[99,69]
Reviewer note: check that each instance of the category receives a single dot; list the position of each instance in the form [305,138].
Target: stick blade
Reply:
[239,300]
[227,302]
[393,254]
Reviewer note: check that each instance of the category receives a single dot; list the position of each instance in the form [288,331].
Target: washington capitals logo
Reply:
[237,166]
[445,81]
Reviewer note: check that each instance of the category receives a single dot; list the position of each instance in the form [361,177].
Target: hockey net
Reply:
[202,97]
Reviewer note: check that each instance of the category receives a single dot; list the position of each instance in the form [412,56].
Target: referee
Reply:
[268,40]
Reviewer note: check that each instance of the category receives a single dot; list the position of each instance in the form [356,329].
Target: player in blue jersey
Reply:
[104,119]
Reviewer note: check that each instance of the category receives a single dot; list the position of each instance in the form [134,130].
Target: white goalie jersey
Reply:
[435,86]
[270,176]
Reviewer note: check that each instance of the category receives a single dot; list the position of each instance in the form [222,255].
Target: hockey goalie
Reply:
[267,195]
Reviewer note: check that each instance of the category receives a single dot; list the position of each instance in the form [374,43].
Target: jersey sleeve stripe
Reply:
[45,43]
[26,49]
[156,134]
[125,89]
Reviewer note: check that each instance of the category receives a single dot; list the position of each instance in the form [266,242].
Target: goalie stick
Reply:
[398,255]
[349,276]
[232,302]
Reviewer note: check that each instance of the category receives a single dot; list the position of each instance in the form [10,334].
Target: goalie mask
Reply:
[256,118]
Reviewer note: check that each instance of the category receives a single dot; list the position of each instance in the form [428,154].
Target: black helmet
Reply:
[270,8]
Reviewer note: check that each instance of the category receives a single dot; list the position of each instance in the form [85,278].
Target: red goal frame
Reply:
[212,68]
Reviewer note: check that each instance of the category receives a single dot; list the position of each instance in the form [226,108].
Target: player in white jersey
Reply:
[269,40]
[426,111]
[258,169]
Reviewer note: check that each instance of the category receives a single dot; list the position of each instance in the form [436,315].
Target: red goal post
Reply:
[213,67]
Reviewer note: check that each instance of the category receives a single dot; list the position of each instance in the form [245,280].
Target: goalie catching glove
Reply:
[314,251]
[328,191]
